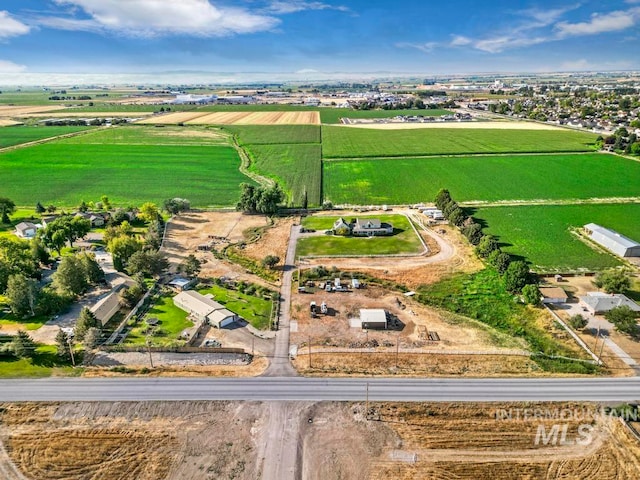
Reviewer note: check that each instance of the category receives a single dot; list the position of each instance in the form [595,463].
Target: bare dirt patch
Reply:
[187,231]
[126,440]
[272,241]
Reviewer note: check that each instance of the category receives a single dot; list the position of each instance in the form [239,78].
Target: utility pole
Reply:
[149,351]
[253,345]
[397,348]
[601,349]
[367,403]
[73,360]
[309,352]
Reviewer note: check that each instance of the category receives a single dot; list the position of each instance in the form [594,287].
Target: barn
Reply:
[612,241]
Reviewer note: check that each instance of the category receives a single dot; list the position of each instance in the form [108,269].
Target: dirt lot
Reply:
[225,440]
[272,241]
[185,232]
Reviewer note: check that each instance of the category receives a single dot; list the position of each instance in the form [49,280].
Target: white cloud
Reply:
[280,7]
[460,41]
[149,18]
[600,23]
[10,27]
[10,67]
[427,47]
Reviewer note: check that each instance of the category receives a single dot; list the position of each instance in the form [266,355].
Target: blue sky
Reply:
[419,36]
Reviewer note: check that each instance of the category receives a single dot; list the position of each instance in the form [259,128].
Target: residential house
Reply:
[204,309]
[598,302]
[26,230]
[370,227]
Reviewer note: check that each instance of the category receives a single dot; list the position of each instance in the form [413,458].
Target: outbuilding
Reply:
[553,295]
[106,308]
[26,230]
[374,318]
[204,309]
[612,241]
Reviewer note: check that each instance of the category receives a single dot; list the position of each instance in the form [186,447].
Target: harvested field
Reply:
[7,123]
[470,125]
[19,111]
[405,441]
[238,118]
[126,441]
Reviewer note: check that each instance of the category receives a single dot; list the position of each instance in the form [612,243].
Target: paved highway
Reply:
[315,389]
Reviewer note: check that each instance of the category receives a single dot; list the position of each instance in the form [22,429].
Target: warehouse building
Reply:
[612,241]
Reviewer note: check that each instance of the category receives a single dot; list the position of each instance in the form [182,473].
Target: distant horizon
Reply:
[314,38]
[203,77]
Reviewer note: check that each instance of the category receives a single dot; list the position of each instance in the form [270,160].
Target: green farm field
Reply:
[403,241]
[542,234]
[481,178]
[271,134]
[10,136]
[154,136]
[297,168]
[67,173]
[348,142]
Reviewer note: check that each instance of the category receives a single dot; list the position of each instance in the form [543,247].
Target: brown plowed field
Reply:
[236,118]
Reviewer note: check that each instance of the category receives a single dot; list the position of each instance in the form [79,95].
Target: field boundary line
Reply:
[51,139]
[245,163]
[573,334]
[464,155]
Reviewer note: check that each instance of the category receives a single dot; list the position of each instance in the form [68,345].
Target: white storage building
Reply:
[613,241]
[373,318]
[204,309]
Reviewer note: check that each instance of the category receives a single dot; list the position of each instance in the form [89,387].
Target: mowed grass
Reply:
[17,135]
[272,134]
[297,168]
[347,142]
[542,234]
[333,115]
[171,322]
[482,178]
[65,174]
[403,241]
[256,311]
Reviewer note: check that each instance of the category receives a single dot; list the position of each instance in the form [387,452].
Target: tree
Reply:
[456,217]
[487,245]
[149,212]
[70,278]
[516,276]
[23,345]
[39,252]
[121,249]
[91,338]
[130,296]
[51,208]
[147,263]
[613,280]
[190,266]
[105,202]
[500,260]
[16,258]
[83,207]
[270,261]
[443,198]
[624,319]
[473,232]
[92,270]
[531,294]
[260,199]
[64,228]
[85,321]
[63,347]
[40,208]
[578,322]
[22,295]
[176,205]
[7,207]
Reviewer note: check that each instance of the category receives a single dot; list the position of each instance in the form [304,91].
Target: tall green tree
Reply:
[190,266]
[91,338]
[516,276]
[16,258]
[624,319]
[613,280]
[148,263]
[93,272]
[63,347]
[531,294]
[149,212]
[122,248]
[70,277]
[23,345]
[86,320]
[22,295]
[7,207]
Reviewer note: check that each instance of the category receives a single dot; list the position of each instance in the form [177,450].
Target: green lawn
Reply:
[20,215]
[65,174]
[542,235]
[172,322]
[16,135]
[298,168]
[486,178]
[44,363]
[403,241]
[333,115]
[270,134]
[347,142]
[254,310]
